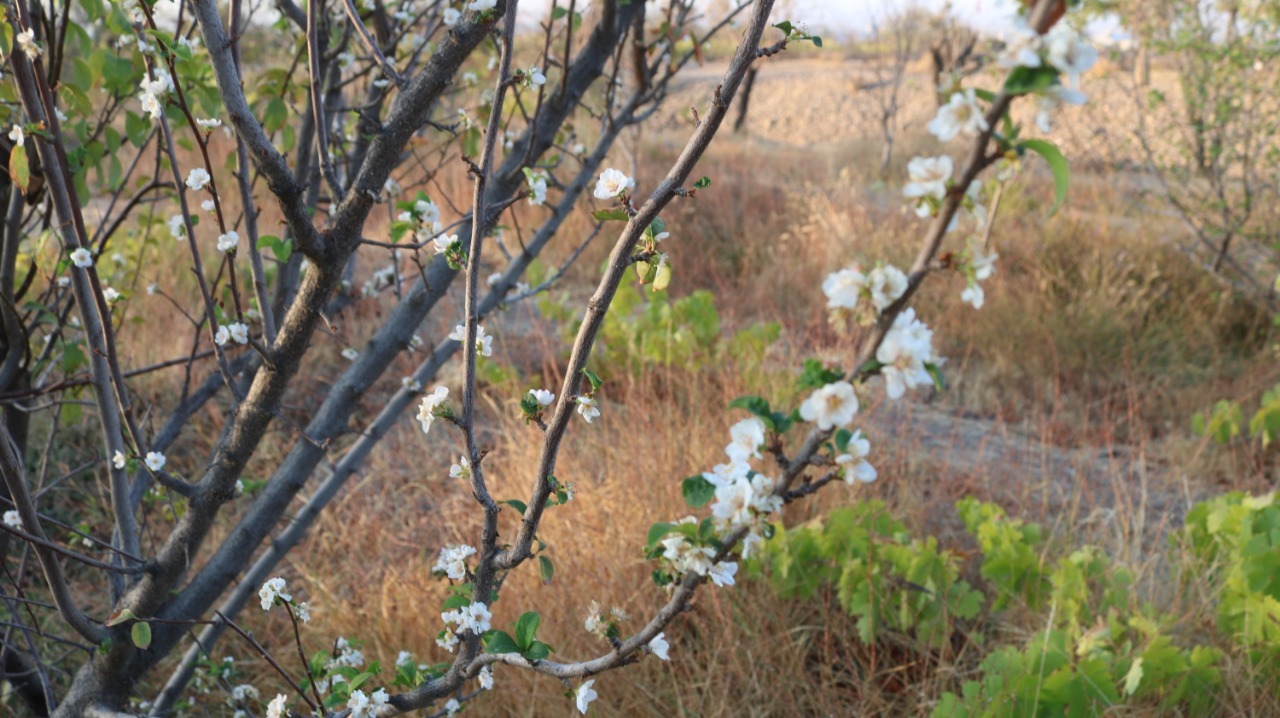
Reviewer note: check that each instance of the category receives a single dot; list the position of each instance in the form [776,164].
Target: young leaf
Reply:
[500,642]
[697,491]
[1057,165]
[526,629]
[547,569]
[141,634]
[702,183]
[594,378]
[19,170]
[607,215]
[120,617]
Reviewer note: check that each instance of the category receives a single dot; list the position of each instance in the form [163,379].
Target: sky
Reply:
[850,16]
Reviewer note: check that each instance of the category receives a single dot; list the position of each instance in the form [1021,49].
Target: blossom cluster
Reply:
[473,617]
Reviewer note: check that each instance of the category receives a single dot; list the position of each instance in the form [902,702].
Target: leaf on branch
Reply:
[19,169]
[546,568]
[593,378]
[527,629]
[122,616]
[697,491]
[141,634]
[1057,165]
[610,215]
[500,642]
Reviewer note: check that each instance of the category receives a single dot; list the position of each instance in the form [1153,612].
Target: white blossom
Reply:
[1069,52]
[12,519]
[228,241]
[348,655]
[534,77]
[484,342]
[486,678]
[244,692]
[82,258]
[155,460]
[404,659]
[453,561]
[272,589]
[903,353]
[350,353]
[1022,47]
[276,708]
[746,438]
[888,284]
[27,43]
[451,16]
[722,573]
[854,463]
[239,332]
[209,123]
[584,695]
[198,178]
[659,647]
[302,611]
[844,288]
[542,397]
[177,227]
[118,460]
[587,407]
[18,135]
[452,706]
[973,294]
[962,114]
[154,90]
[444,242]
[430,403]
[222,336]
[537,188]
[111,295]
[474,617]
[612,183]
[928,177]
[831,406]
[410,383]
[482,5]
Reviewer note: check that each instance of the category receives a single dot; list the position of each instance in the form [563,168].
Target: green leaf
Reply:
[697,491]
[538,650]
[1030,79]
[842,438]
[657,532]
[456,601]
[517,504]
[939,382]
[527,629]
[702,183]
[610,215]
[19,170]
[817,40]
[120,617]
[141,634]
[594,378]
[785,26]
[500,642]
[546,568]
[1057,165]
[558,12]
[816,376]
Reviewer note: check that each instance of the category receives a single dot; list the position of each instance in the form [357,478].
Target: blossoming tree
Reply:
[353,128]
